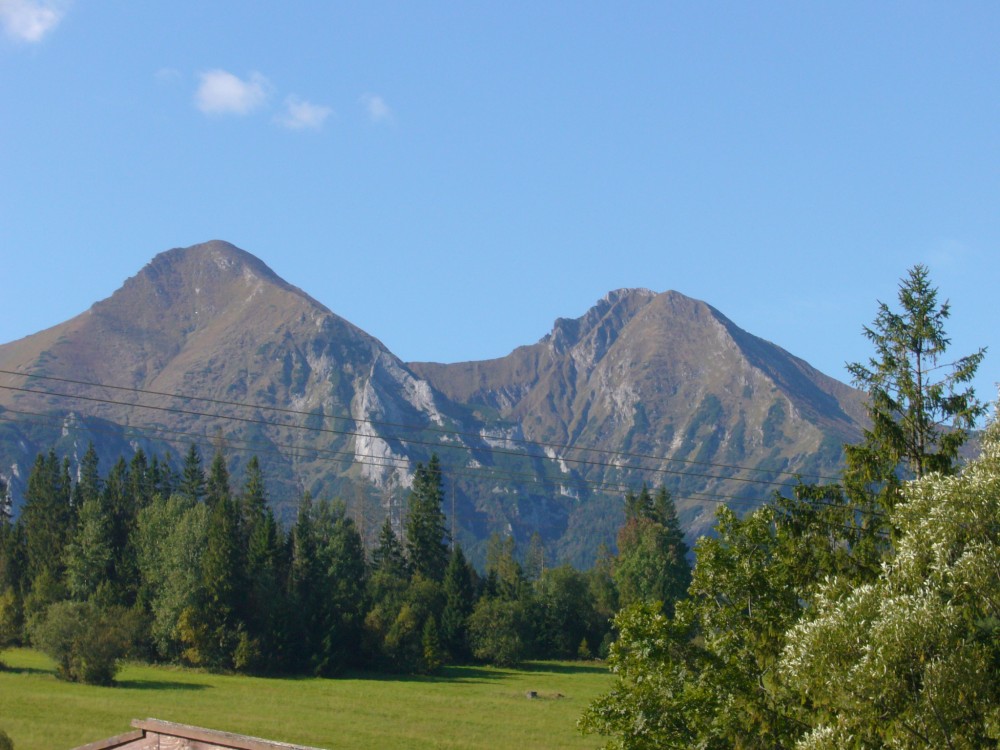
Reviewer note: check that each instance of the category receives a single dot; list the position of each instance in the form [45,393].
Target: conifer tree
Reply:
[460,598]
[388,557]
[192,481]
[90,554]
[921,410]
[217,486]
[304,591]
[47,518]
[426,533]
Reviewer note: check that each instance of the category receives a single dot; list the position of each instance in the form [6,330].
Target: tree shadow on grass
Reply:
[477,673]
[451,674]
[26,670]
[160,685]
[564,668]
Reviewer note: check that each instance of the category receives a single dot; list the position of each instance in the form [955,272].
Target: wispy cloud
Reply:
[948,254]
[168,75]
[377,109]
[30,20]
[300,114]
[222,93]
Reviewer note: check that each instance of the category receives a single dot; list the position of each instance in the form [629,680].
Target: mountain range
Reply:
[207,345]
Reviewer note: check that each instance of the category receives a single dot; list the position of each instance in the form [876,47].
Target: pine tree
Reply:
[218,613]
[919,417]
[89,486]
[192,481]
[388,557]
[460,598]
[47,518]
[217,486]
[90,555]
[304,590]
[426,533]
[142,483]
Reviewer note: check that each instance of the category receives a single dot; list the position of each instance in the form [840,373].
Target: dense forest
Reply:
[175,565]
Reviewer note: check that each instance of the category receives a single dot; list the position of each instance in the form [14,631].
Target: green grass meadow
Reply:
[463,707]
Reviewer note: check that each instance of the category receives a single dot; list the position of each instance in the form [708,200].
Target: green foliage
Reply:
[426,533]
[460,597]
[388,556]
[565,614]
[6,743]
[499,631]
[658,700]
[920,418]
[47,518]
[707,672]
[192,483]
[10,618]
[912,659]
[652,555]
[90,553]
[433,655]
[85,641]
[171,539]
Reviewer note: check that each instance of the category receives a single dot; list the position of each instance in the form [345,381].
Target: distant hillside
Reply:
[645,387]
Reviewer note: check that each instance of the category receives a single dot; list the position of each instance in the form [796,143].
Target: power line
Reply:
[486,474]
[349,433]
[424,428]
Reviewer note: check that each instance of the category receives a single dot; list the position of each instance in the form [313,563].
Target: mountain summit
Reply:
[207,345]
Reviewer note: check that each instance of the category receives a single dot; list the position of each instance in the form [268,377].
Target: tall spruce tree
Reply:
[426,532]
[217,485]
[47,518]
[460,598]
[921,409]
[192,480]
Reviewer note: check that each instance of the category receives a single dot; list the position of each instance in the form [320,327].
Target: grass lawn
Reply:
[463,707]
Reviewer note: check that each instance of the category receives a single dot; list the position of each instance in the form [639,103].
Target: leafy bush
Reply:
[499,631]
[85,641]
[6,743]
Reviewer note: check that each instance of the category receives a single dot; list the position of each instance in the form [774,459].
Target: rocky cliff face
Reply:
[207,345]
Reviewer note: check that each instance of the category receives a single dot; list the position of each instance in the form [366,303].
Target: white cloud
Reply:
[222,93]
[30,20]
[378,110]
[300,114]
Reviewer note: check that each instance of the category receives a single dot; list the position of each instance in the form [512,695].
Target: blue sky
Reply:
[452,177]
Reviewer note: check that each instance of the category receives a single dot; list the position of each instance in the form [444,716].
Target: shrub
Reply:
[6,743]
[85,641]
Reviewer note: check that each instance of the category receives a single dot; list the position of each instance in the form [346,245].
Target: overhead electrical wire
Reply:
[452,471]
[481,473]
[366,459]
[486,474]
[422,428]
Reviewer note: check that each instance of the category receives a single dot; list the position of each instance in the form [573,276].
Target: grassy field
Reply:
[463,707]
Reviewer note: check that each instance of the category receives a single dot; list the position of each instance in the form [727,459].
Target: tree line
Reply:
[179,566]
